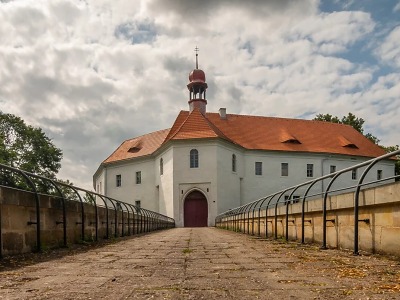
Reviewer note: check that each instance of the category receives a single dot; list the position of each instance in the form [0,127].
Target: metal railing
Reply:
[244,215]
[133,218]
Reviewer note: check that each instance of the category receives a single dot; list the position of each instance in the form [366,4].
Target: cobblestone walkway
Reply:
[204,263]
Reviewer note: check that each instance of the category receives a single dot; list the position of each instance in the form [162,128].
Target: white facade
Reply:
[223,187]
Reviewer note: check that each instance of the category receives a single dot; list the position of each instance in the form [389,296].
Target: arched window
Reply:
[161,166]
[233,163]
[194,158]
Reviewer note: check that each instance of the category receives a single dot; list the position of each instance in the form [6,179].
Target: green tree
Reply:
[28,148]
[350,119]
[357,124]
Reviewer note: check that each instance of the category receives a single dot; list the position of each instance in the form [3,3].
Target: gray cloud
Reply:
[95,73]
[200,10]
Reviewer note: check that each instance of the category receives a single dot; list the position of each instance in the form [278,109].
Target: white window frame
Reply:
[194,158]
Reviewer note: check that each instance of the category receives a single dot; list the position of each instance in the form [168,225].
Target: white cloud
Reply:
[93,73]
[389,50]
[396,8]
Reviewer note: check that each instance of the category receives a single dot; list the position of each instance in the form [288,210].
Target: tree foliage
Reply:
[357,124]
[350,119]
[28,148]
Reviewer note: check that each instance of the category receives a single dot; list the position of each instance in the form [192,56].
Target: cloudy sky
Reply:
[92,73]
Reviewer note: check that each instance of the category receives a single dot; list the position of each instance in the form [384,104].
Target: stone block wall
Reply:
[379,225]
[18,209]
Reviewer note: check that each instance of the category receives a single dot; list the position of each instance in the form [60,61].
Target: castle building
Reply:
[207,162]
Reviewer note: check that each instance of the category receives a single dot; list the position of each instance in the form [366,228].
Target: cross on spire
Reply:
[197,54]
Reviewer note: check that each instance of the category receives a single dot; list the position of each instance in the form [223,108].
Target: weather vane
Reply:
[197,54]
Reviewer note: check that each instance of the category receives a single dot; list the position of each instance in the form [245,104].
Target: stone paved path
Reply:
[204,263]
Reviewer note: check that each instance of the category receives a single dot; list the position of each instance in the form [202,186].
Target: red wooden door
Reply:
[195,210]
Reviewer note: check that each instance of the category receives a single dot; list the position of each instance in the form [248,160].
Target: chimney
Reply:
[222,113]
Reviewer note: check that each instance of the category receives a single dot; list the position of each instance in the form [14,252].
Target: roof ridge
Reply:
[218,131]
[169,137]
[140,136]
[279,118]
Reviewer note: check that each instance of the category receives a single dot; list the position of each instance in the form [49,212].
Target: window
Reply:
[379,174]
[138,177]
[258,168]
[233,163]
[284,169]
[310,170]
[295,199]
[194,158]
[354,174]
[118,180]
[161,166]
[333,169]
[137,203]
[287,200]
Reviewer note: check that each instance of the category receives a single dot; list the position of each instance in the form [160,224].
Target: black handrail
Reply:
[241,214]
[154,221]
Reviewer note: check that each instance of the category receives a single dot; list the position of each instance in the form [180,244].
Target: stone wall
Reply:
[18,209]
[379,225]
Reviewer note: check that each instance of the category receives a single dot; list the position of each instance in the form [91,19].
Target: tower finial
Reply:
[197,54]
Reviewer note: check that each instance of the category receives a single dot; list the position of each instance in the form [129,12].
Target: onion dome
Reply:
[197,75]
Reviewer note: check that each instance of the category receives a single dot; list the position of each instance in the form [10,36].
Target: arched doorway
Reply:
[195,211]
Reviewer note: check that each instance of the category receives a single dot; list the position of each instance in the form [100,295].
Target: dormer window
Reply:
[134,149]
[344,142]
[287,138]
[354,146]
[292,141]
[135,146]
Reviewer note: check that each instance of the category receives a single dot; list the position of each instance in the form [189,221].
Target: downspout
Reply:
[322,171]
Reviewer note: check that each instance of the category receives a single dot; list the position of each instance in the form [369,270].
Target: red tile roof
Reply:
[139,146]
[278,134]
[256,133]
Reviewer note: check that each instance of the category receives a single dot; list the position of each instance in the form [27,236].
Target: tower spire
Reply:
[197,87]
[197,54]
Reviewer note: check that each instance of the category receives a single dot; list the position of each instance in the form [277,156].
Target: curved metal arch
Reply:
[96,222]
[303,206]
[276,211]
[82,211]
[357,196]
[324,213]
[147,220]
[64,222]
[261,201]
[37,208]
[115,215]
[137,221]
[123,217]
[102,197]
[251,207]
[287,211]
[132,222]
